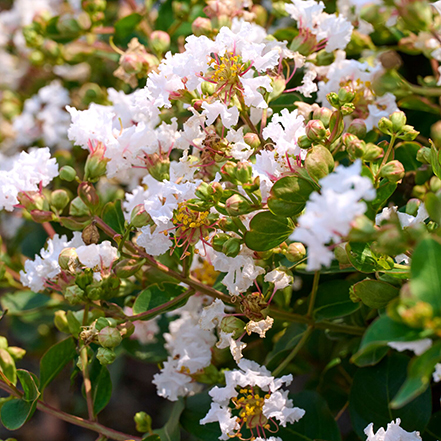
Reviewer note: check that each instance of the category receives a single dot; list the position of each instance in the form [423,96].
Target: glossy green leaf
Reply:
[378,335]
[28,382]
[171,431]
[7,366]
[371,394]
[433,205]
[24,301]
[317,424]
[365,260]
[54,360]
[101,386]
[425,283]
[126,25]
[374,293]
[16,412]
[406,153]
[383,193]
[289,195]
[113,216]
[268,231]
[419,376]
[333,300]
[157,295]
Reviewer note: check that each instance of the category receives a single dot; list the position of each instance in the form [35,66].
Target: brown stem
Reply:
[49,229]
[72,419]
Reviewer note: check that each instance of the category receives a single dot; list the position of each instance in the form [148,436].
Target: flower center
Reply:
[228,68]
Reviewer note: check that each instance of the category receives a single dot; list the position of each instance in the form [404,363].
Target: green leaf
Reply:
[157,295]
[425,283]
[419,376]
[289,195]
[435,160]
[24,301]
[365,260]
[54,360]
[378,335]
[28,382]
[317,423]
[333,300]
[372,391]
[101,386]
[433,206]
[16,412]
[196,407]
[170,431]
[125,26]
[406,153]
[7,366]
[420,103]
[113,216]
[384,192]
[268,231]
[374,293]
[433,430]
[153,437]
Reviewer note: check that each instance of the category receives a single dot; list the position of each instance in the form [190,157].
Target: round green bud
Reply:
[385,126]
[358,128]
[143,422]
[231,247]
[105,356]
[74,294]
[341,255]
[67,173]
[295,252]
[139,217]
[237,205]
[109,337]
[398,120]
[393,171]
[233,324]
[323,114]
[202,26]
[346,95]
[315,130]
[59,199]
[319,162]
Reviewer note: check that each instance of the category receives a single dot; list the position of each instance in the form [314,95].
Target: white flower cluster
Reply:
[328,215]
[189,347]
[24,173]
[393,432]
[44,118]
[257,398]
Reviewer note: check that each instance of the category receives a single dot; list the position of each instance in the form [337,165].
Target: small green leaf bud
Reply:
[333,100]
[159,41]
[408,133]
[231,247]
[346,94]
[96,163]
[315,130]
[74,294]
[59,199]
[67,173]
[303,142]
[398,120]
[139,217]
[105,356]
[109,337]
[393,171]
[143,422]
[218,241]
[84,278]
[95,291]
[244,172]
[423,155]
[385,126]
[358,128]
[202,26]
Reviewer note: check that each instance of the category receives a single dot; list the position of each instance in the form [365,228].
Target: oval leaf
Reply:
[374,293]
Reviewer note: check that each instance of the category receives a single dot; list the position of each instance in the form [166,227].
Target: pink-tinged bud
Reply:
[131,63]
[32,200]
[315,130]
[96,163]
[252,140]
[296,251]
[372,152]
[202,26]
[356,149]
[197,105]
[159,41]
[319,162]
[393,171]
[323,114]
[88,194]
[358,128]
[41,216]
[237,205]
[346,94]
[139,217]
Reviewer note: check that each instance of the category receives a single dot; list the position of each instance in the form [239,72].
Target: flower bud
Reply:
[68,259]
[398,120]
[356,149]
[96,163]
[303,142]
[59,199]
[41,216]
[60,321]
[244,172]
[208,88]
[109,337]
[315,130]
[84,278]
[325,58]
[408,133]
[237,205]
[346,95]
[333,100]
[143,422]
[393,171]
[78,208]
[88,194]
[159,41]
[95,291]
[341,255]
[323,114]
[252,140]
[139,217]
[435,184]
[362,229]
[105,356]
[201,26]
[16,353]
[423,155]
[412,206]
[358,128]
[218,241]
[304,43]
[295,252]
[233,324]
[74,294]
[159,167]
[319,162]
[372,152]
[90,234]
[385,126]
[103,322]
[67,173]
[435,133]
[231,247]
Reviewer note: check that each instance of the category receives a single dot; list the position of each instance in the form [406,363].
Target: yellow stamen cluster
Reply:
[228,69]
[206,274]
[185,218]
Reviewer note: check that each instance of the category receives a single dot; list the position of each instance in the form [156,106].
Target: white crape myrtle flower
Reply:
[189,347]
[98,257]
[329,214]
[393,432]
[359,77]
[26,172]
[260,327]
[279,279]
[437,373]
[38,273]
[416,346]
[250,398]
[329,29]
[44,117]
